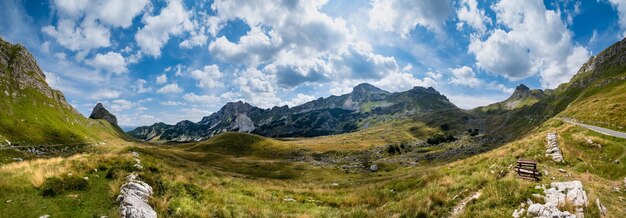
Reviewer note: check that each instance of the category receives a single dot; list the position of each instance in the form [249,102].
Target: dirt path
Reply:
[458,209]
[598,129]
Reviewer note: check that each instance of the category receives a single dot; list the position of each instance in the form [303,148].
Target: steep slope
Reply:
[595,95]
[366,105]
[33,113]
[522,96]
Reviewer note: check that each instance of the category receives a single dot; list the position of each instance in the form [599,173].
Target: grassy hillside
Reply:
[602,103]
[33,113]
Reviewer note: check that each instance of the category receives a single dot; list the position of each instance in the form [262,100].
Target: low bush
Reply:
[439,138]
[54,186]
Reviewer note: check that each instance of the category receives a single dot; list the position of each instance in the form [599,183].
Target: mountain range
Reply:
[363,107]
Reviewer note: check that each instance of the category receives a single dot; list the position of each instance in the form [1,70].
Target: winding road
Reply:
[598,129]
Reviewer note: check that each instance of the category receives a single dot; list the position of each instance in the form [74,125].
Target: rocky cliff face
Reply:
[99,112]
[20,69]
[324,116]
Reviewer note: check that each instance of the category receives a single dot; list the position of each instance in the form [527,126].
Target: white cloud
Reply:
[121,105]
[402,16]
[118,12]
[208,77]
[620,5]
[256,88]
[112,61]
[84,25]
[472,15]
[465,76]
[173,20]
[172,103]
[162,79]
[105,94]
[537,40]
[79,37]
[202,99]
[360,61]
[282,34]
[473,101]
[402,81]
[197,38]
[253,48]
[140,86]
[170,88]
[299,99]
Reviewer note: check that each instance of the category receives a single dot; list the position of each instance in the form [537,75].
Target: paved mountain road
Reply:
[598,129]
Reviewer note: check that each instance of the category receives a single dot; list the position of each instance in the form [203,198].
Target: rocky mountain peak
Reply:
[521,91]
[367,88]
[99,112]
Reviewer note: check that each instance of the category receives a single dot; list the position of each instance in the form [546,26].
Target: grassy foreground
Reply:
[241,175]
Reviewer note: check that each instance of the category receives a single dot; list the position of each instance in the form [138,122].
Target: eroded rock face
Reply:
[553,148]
[559,193]
[99,112]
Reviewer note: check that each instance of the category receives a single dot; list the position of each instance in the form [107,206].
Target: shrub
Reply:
[54,186]
[444,127]
[439,138]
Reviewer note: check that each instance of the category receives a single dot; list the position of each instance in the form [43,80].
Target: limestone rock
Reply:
[374,168]
[553,148]
[99,112]
[601,207]
[134,197]
[559,193]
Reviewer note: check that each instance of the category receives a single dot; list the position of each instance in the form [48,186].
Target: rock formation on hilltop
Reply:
[99,112]
[522,96]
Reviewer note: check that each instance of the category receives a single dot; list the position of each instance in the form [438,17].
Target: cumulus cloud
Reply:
[121,105]
[256,88]
[140,86]
[105,94]
[299,99]
[360,61]
[402,16]
[111,61]
[83,36]
[469,13]
[162,79]
[402,81]
[84,25]
[464,76]
[202,99]
[208,77]
[170,88]
[172,103]
[172,20]
[537,40]
[291,72]
[620,6]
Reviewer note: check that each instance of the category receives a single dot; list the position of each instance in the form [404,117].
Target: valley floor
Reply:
[259,177]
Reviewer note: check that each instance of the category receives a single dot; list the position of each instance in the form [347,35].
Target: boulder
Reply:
[134,197]
[374,168]
[99,112]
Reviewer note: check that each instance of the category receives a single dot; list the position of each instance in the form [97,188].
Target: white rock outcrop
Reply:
[559,193]
[134,197]
[553,148]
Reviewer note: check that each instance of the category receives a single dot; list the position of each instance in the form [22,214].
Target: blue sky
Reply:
[166,61]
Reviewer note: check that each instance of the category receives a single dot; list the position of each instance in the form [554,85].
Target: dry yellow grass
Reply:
[402,131]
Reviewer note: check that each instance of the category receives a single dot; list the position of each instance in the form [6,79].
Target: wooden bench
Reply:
[527,169]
